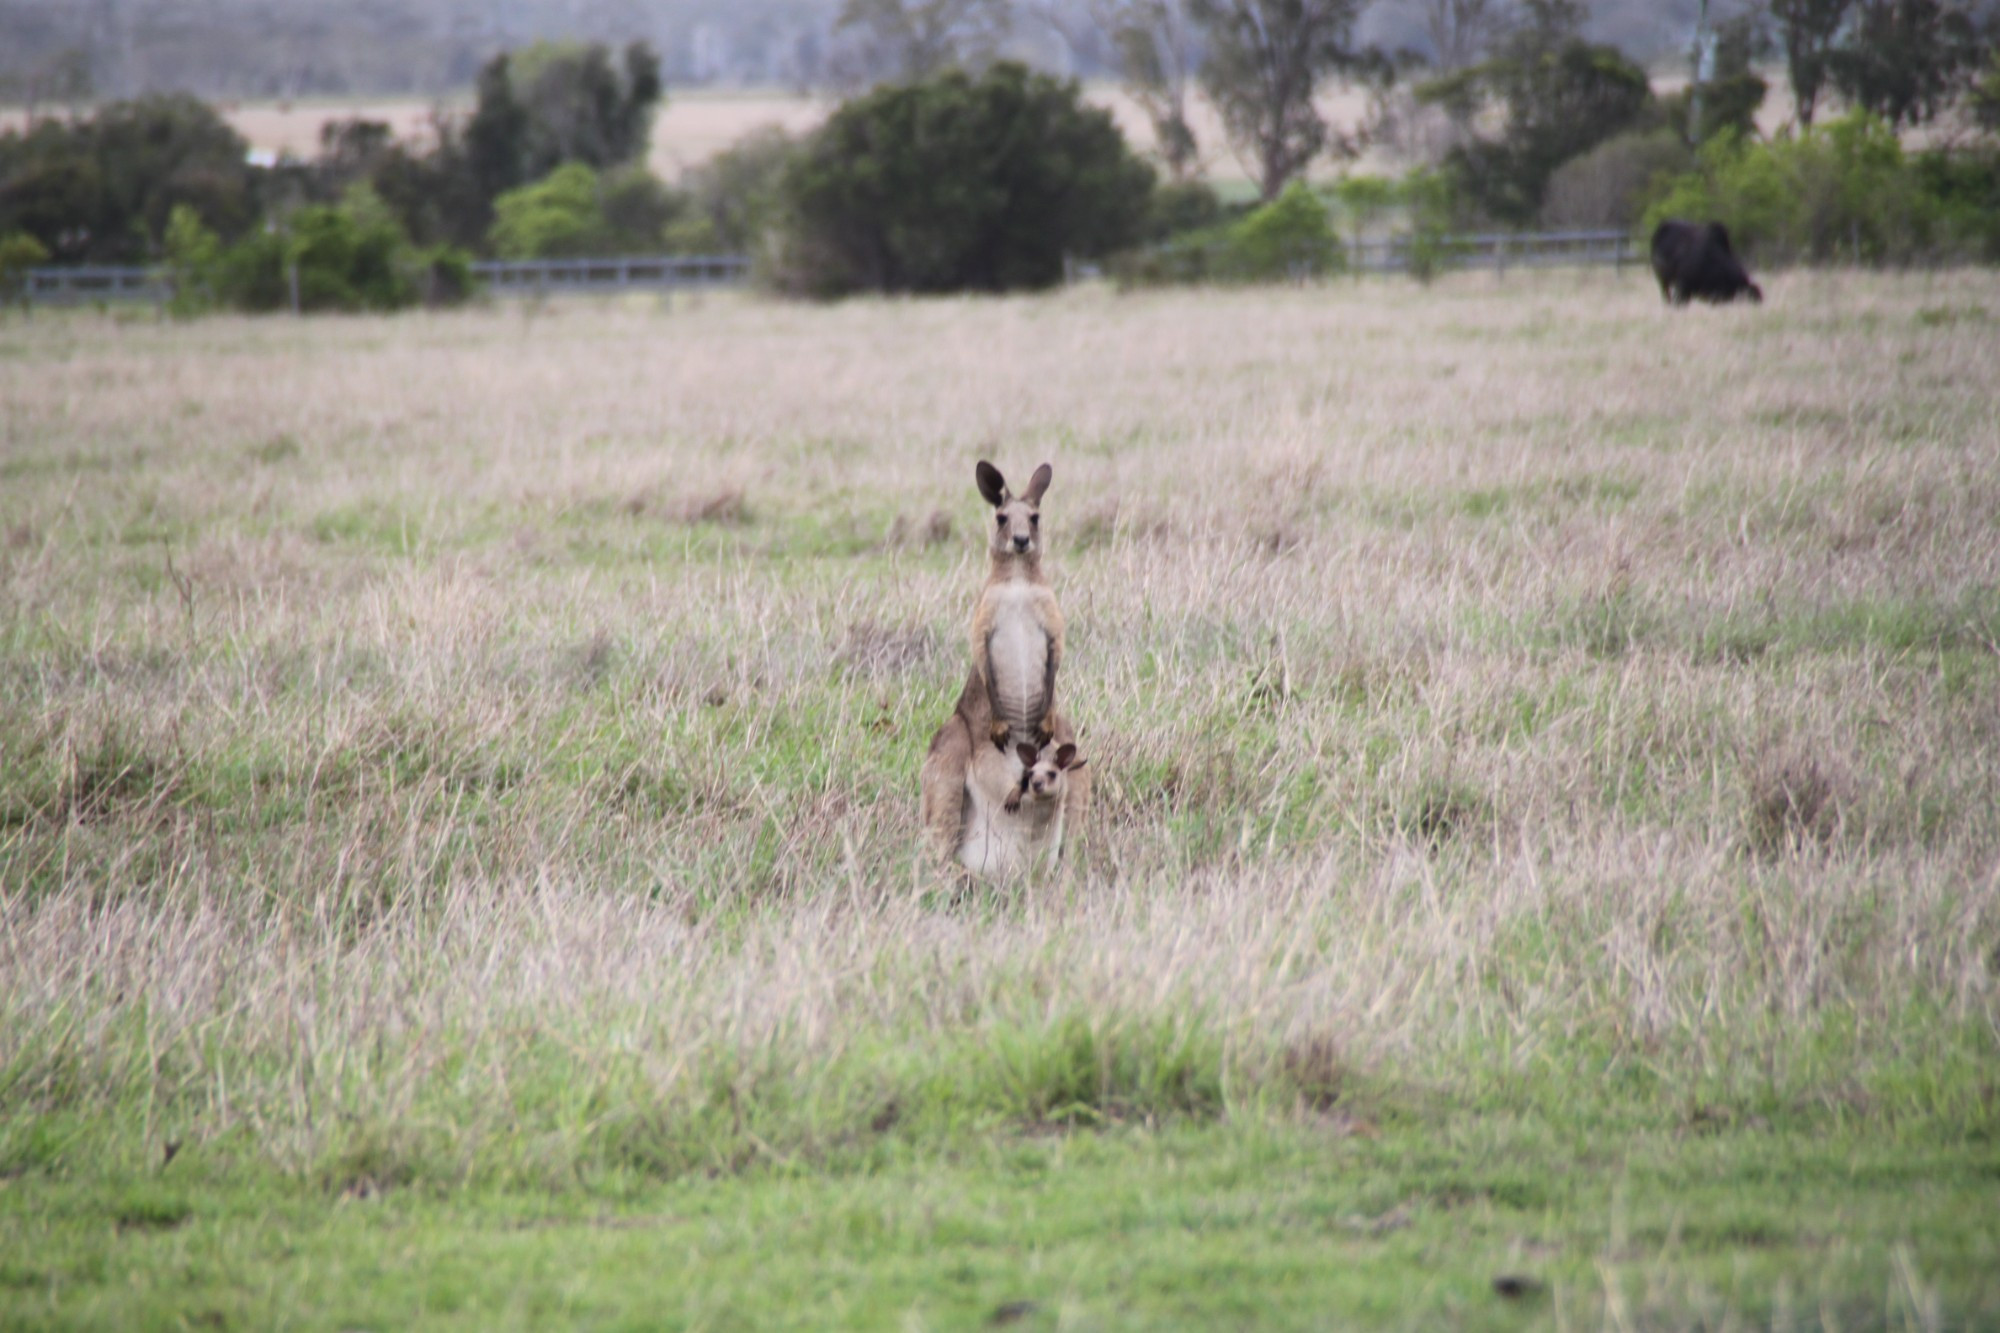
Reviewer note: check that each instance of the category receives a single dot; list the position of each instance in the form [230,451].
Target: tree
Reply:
[959,183]
[909,40]
[1560,96]
[1732,90]
[1459,31]
[536,109]
[1985,97]
[101,190]
[736,195]
[1265,62]
[64,77]
[1154,43]
[1905,60]
[494,146]
[1806,29]
[578,108]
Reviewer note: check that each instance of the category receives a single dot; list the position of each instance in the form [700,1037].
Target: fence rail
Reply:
[90,283]
[527,277]
[94,283]
[1498,251]
[1501,251]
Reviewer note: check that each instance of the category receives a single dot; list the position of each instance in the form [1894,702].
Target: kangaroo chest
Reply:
[1017,653]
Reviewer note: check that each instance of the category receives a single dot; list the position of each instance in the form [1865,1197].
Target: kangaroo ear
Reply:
[1037,484]
[991,484]
[1027,753]
[1066,757]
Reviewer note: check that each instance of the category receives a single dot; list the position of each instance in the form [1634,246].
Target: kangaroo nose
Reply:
[1020,543]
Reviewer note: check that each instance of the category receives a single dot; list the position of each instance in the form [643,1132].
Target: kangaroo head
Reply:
[1017,520]
[1042,772]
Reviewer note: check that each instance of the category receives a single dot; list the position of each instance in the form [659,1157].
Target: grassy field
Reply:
[458,824]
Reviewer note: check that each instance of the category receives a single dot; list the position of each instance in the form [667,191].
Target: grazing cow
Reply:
[1693,260]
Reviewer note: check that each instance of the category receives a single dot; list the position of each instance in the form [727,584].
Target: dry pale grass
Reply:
[1474,677]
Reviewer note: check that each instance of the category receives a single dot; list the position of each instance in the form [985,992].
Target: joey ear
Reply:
[1027,753]
[1066,757]
[1038,484]
[992,485]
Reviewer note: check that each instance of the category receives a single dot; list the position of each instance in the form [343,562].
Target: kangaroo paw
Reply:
[998,732]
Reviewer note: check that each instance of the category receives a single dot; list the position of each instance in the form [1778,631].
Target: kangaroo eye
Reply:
[1034,520]
[1000,520]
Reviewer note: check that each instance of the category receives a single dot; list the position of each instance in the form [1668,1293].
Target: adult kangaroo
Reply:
[1009,695]
[1017,626]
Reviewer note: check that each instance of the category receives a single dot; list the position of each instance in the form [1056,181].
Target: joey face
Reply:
[1017,520]
[1043,773]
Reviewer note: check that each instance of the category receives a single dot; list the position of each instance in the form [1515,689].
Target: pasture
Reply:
[458,834]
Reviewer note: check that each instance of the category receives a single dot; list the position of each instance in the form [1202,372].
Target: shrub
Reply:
[19,252]
[557,215]
[194,259]
[1843,190]
[1431,201]
[1181,207]
[351,256]
[1609,186]
[735,197]
[575,211]
[1963,187]
[637,208]
[1365,200]
[958,183]
[1290,237]
[1293,237]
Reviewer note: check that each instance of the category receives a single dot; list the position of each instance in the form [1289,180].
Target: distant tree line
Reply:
[967,171]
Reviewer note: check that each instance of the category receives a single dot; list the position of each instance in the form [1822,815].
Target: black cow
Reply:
[1693,259]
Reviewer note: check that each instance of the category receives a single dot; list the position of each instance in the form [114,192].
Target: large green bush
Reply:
[1290,237]
[1842,191]
[1963,186]
[576,211]
[959,183]
[348,256]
